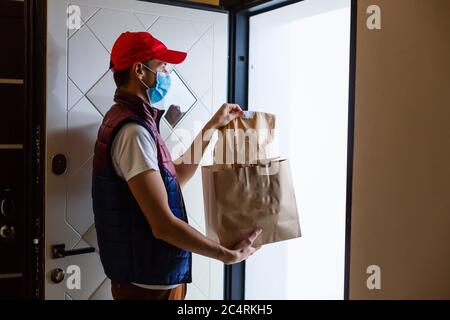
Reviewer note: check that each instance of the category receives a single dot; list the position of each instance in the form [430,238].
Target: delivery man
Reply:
[144,238]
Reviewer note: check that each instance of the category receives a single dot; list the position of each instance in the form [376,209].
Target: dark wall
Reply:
[401,177]
[12,127]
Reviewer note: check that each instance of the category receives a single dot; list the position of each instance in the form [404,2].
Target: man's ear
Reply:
[137,70]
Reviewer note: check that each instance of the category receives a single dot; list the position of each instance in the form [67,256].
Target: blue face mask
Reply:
[157,93]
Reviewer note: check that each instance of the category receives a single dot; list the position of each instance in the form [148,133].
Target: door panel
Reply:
[80,90]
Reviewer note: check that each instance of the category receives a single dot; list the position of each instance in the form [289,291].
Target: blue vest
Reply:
[128,250]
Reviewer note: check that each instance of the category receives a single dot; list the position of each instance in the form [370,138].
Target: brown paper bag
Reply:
[244,197]
[245,140]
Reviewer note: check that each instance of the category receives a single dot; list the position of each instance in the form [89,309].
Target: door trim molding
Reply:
[190,4]
[11,81]
[350,145]
[11,146]
[11,275]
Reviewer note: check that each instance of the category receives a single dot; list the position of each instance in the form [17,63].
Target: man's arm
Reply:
[149,191]
[187,164]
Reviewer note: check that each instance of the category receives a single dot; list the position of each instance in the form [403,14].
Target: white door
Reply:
[80,89]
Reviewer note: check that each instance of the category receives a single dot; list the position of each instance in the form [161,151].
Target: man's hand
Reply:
[226,113]
[193,155]
[173,114]
[149,191]
[243,249]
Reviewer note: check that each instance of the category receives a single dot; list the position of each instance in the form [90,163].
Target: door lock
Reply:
[57,275]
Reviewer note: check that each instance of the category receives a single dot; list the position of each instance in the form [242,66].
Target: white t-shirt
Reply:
[134,151]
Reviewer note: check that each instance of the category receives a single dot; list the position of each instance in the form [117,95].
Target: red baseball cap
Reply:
[132,47]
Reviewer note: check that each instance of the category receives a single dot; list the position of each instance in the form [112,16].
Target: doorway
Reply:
[296,59]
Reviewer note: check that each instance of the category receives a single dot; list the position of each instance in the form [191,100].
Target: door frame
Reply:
[239,17]
[35,78]
[34,144]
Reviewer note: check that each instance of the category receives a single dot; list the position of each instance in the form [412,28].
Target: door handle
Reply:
[59,164]
[59,251]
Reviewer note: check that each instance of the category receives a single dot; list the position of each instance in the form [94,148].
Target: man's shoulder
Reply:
[134,131]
